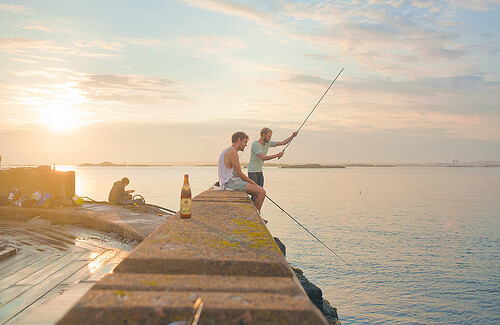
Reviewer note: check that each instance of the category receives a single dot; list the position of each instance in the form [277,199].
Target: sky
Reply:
[170,81]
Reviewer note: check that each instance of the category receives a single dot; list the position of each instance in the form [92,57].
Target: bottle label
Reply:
[185,206]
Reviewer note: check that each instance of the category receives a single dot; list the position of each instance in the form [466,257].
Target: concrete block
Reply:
[198,283]
[223,196]
[156,307]
[219,239]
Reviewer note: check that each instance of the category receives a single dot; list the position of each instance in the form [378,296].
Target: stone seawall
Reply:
[42,178]
[224,254]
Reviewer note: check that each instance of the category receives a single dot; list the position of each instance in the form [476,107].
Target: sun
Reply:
[60,119]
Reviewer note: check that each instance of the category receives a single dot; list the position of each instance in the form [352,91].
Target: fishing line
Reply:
[283,210]
[319,101]
[149,197]
[142,200]
[161,208]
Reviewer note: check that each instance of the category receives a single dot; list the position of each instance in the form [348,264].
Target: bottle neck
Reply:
[186,179]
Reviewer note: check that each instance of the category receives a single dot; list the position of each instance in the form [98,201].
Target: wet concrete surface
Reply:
[134,222]
[53,267]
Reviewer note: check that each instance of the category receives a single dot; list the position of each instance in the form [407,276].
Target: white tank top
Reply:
[225,174]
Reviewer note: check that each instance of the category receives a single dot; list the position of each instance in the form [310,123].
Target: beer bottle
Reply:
[186,199]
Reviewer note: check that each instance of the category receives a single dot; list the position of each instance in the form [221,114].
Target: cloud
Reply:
[309,80]
[233,8]
[406,70]
[14,44]
[211,46]
[24,61]
[454,85]
[97,97]
[144,42]
[38,26]
[423,4]
[321,12]
[49,73]
[134,97]
[459,106]
[371,119]
[133,82]
[109,46]
[381,37]
[14,8]
[478,5]
[37,58]
[392,3]
[32,47]
[391,38]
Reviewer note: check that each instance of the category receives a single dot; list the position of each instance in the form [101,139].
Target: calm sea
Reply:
[424,243]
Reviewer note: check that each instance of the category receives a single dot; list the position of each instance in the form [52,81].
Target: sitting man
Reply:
[118,194]
[230,175]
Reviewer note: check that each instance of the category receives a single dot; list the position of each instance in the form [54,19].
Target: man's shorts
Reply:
[257,177]
[235,185]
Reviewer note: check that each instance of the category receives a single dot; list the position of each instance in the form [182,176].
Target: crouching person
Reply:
[118,194]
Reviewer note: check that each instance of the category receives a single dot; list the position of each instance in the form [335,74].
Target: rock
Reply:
[330,313]
[313,292]
[316,295]
[281,246]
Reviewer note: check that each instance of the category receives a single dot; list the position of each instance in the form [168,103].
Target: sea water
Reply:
[421,245]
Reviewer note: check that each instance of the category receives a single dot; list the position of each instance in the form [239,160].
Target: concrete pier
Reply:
[224,254]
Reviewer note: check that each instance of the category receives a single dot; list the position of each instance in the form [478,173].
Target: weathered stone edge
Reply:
[66,216]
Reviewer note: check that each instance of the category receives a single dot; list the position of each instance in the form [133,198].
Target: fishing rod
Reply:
[282,210]
[319,101]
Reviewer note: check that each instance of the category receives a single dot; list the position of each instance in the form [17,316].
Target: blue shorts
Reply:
[235,185]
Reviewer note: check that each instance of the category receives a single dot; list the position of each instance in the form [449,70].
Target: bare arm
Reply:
[281,143]
[235,163]
[261,155]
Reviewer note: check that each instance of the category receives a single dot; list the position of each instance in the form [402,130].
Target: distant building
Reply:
[456,162]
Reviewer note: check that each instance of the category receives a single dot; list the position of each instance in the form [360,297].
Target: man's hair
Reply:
[125,180]
[239,135]
[265,131]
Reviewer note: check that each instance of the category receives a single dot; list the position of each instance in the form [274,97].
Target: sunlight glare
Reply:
[60,119]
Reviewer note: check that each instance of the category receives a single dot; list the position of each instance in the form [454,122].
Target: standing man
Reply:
[259,154]
[230,175]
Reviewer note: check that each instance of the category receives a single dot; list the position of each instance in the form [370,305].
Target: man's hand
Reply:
[294,134]
[280,154]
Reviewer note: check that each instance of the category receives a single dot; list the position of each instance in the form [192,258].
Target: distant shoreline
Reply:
[471,164]
[110,164]
[311,166]
[305,166]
